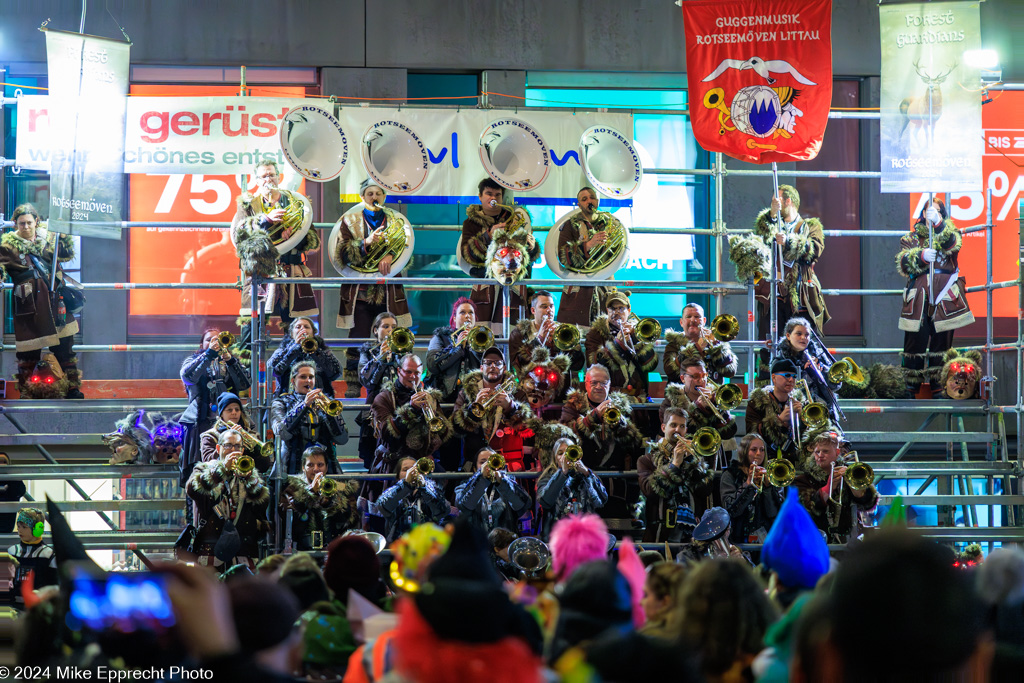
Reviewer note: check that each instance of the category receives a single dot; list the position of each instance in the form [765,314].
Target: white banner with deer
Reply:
[931,136]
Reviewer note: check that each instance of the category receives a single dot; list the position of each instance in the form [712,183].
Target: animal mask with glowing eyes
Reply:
[508,257]
[961,374]
[544,379]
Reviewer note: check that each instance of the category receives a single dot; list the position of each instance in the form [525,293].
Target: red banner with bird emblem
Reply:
[760,76]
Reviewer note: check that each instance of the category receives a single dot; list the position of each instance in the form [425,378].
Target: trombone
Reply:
[479,339]
[249,442]
[400,341]
[859,475]
[815,413]
[567,336]
[478,410]
[647,329]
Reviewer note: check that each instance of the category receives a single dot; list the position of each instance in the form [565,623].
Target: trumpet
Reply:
[478,410]
[434,423]
[612,416]
[249,442]
[243,466]
[567,337]
[400,341]
[225,339]
[573,454]
[495,462]
[309,345]
[423,467]
[328,487]
[332,407]
[706,442]
[479,339]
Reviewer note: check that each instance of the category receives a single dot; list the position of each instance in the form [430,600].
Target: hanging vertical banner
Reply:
[930,103]
[88,80]
[759,74]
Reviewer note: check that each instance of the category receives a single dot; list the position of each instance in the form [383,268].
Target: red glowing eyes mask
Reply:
[517,253]
[538,372]
[503,252]
[961,368]
[552,377]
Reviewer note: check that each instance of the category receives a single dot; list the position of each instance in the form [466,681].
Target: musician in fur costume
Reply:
[255,226]
[669,475]
[803,242]
[581,235]
[224,496]
[401,423]
[928,325]
[540,330]
[506,415]
[694,396]
[961,374]
[825,492]
[42,319]
[612,342]
[318,517]
[768,411]
[483,223]
[696,341]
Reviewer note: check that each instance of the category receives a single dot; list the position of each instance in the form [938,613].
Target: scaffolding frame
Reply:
[718,172]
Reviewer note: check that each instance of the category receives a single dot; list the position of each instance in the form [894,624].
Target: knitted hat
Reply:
[351,563]
[226,399]
[264,612]
[794,548]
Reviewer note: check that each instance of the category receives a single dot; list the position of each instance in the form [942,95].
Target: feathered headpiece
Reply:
[575,540]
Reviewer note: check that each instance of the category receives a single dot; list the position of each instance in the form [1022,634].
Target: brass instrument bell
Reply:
[573,454]
[328,487]
[725,327]
[781,472]
[567,336]
[243,465]
[814,415]
[332,407]
[647,329]
[225,339]
[612,416]
[309,345]
[706,442]
[478,410]
[425,466]
[496,461]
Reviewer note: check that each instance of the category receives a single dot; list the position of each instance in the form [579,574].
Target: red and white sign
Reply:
[759,74]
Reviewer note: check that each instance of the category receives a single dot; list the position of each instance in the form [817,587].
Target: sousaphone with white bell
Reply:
[514,154]
[603,260]
[397,239]
[394,157]
[611,162]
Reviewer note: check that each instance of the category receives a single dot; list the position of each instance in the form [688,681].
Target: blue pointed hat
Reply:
[795,548]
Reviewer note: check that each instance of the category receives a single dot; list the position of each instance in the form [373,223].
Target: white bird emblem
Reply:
[762,67]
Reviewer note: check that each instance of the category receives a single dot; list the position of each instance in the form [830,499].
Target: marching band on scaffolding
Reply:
[566,396]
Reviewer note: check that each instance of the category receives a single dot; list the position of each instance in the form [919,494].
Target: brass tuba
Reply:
[395,238]
[298,217]
[611,251]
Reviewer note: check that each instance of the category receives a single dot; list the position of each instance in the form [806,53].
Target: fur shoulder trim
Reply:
[475,213]
[601,326]
[577,399]
[674,338]
[675,396]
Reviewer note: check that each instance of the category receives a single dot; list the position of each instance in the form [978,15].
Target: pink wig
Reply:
[575,540]
[631,567]
[455,309]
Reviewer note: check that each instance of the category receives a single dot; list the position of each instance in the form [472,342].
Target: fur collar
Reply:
[675,396]
[601,326]
[11,240]
[475,213]
[210,478]
[674,338]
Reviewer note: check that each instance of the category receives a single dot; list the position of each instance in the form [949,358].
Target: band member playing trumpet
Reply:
[483,220]
[613,342]
[567,487]
[699,401]
[258,224]
[361,235]
[581,237]
[543,330]
[773,411]
[669,475]
[697,341]
[231,415]
[828,493]
[303,343]
[450,354]
[378,367]
[487,412]
[408,421]
[206,374]
[413,499]
[305,417]
[753,503]
[226,490]
[491,498]
[607,435]
[322,508]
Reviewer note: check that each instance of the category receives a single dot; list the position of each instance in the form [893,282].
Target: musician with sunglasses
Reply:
[501,417]
[256,225]
[698,400]
[826,493]
[612,341]
[541,329]
[773,411]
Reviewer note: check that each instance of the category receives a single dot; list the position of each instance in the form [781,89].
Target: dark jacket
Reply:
[628,368]
[835,521]
[317,519]
[522,341]
[299,428]
[405,506]
[748,509]
[560,494]
[446,363]
[328,368]
[402,429]
[375,373]
[205,379]
[668,491]
[605,447]
[492,505]
[719,360]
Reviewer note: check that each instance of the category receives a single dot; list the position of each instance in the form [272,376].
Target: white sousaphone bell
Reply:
[394,157]
[613,167]
[514,154]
